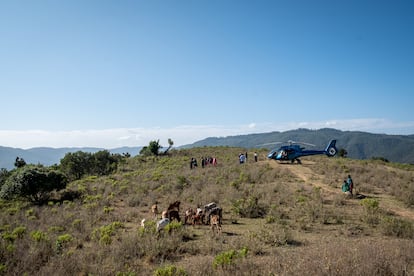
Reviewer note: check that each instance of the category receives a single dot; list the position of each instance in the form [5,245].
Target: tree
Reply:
[76,164]
[33,183]
[19,162]
[342,152]
[104,163]
[152,148]
[170,143]
[4,174]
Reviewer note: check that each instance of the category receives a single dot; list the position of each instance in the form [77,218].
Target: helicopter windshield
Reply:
[272,153]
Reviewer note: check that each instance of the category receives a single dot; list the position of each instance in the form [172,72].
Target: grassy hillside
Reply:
[277,219]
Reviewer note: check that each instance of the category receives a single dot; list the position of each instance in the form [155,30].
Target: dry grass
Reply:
[291,219]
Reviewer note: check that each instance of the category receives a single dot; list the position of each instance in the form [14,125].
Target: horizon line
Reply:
[183,135]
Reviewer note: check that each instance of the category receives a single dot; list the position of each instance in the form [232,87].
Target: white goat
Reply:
[143,222]
[162,223]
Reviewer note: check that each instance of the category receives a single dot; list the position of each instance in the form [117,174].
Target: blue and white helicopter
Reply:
[292,152]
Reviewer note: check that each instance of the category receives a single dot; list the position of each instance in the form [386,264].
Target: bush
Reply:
[38,236]
[273,235]
[396,227]
[62,241]
[249,208]
[170,270]
[78,164]
[173,225]
[228,258]
[104,233]
[371,210]
[34,183]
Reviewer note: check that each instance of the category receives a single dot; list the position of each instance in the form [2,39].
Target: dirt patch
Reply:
[304,173]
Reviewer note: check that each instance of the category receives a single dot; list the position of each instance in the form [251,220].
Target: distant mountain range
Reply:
[359,145]
[49,156]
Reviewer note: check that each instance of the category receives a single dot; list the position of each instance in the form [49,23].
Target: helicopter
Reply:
[292,152]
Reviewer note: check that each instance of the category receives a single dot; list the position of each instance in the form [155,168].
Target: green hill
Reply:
[278,219]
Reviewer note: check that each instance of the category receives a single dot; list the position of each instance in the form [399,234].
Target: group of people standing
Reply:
[204,162]
[243,157]
[213,161]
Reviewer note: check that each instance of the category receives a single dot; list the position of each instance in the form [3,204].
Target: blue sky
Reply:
[122,73]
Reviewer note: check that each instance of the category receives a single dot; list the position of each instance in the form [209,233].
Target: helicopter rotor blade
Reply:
[303,143]
[272,143]
[308,144]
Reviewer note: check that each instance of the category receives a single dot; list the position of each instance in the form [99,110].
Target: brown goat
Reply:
[154,210]
[173,214]
[215,224]
[174,206]
[189,216]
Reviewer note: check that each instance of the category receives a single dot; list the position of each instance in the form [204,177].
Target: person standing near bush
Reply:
[350,183]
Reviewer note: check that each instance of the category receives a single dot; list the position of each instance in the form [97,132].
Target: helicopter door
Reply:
[284,154]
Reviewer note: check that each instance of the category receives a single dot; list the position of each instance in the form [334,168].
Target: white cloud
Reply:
[181,135]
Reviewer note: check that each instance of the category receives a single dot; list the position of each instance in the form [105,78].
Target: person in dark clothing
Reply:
[242,158]
[350,183]
[345,187]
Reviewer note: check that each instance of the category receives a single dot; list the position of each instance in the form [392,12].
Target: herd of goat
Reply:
[210,214]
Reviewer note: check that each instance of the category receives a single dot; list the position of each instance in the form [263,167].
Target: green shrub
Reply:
[29,212]
[150,227]
[62,240]
[170,270]
[396,227]
[248,207]
[77,224]
[8,236]
[273,235]
[173,225]
[19,231]
[270,219]
[126,274]
[3,268]
[228,258]
[104,233]
[182,182]
[38,236]
[371,207]
[108,209]
[56,229]
[12,210]
[65,238]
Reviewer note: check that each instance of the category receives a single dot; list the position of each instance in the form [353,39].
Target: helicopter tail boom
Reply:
[331,149]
